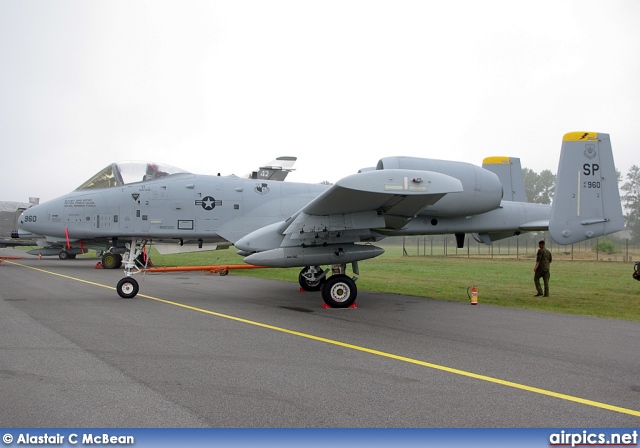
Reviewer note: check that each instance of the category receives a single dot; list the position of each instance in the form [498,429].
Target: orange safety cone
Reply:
[472,292]
[39,256]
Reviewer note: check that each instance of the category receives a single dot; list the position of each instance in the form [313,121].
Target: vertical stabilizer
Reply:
[509,172]
[586,202]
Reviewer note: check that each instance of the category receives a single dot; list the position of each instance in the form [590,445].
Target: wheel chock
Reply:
[98,266]
[327,307]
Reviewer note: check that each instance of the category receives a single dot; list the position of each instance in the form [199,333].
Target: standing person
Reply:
[543,264]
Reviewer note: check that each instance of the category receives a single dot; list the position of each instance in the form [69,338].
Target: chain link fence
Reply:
[523,246]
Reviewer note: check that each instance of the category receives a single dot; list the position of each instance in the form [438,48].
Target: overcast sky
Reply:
[224,86]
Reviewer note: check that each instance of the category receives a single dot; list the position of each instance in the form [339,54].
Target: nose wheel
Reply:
[127,288]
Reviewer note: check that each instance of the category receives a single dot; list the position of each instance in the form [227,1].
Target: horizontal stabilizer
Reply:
[586,202]
[534,226]
[489,238]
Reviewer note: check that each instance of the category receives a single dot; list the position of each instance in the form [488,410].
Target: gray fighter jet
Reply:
[286,224]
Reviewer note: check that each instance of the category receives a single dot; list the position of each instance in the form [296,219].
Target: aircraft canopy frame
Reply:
[129,172]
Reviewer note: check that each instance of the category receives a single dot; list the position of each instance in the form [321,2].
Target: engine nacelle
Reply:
[482,190]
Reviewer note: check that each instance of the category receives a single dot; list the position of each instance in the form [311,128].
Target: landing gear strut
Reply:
[128,287]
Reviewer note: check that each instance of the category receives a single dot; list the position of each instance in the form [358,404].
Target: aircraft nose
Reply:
[29,219]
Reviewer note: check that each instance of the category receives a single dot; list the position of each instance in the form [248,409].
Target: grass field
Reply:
[602,289]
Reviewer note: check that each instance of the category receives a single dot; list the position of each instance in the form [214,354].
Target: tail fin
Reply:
[586,203]
[509,172]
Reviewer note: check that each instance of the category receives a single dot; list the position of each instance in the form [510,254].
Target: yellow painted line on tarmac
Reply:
[60,275]
[488,379]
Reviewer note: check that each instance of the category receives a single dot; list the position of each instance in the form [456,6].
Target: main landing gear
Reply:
[338,291]
[111,260]
[128,286]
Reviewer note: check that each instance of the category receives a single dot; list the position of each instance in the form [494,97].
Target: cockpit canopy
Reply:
[128,172]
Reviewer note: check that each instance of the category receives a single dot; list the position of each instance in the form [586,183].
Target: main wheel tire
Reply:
[306,284]
[63,255]
[339,291]
[111,261]
[127,288]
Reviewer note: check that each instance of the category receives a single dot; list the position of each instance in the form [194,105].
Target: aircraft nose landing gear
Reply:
[128,287]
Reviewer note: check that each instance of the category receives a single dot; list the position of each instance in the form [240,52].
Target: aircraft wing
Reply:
[395,194]
[353,210]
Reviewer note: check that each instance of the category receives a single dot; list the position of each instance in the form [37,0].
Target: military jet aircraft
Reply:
[286,224]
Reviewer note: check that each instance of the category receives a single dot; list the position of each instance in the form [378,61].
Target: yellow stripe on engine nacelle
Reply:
[497,160]
[579,136]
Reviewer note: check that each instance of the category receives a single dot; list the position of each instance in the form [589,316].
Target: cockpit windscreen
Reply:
[124,173]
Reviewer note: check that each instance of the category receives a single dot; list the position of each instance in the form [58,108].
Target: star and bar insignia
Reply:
[208,203]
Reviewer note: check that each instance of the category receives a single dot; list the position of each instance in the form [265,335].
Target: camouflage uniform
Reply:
[543,262]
